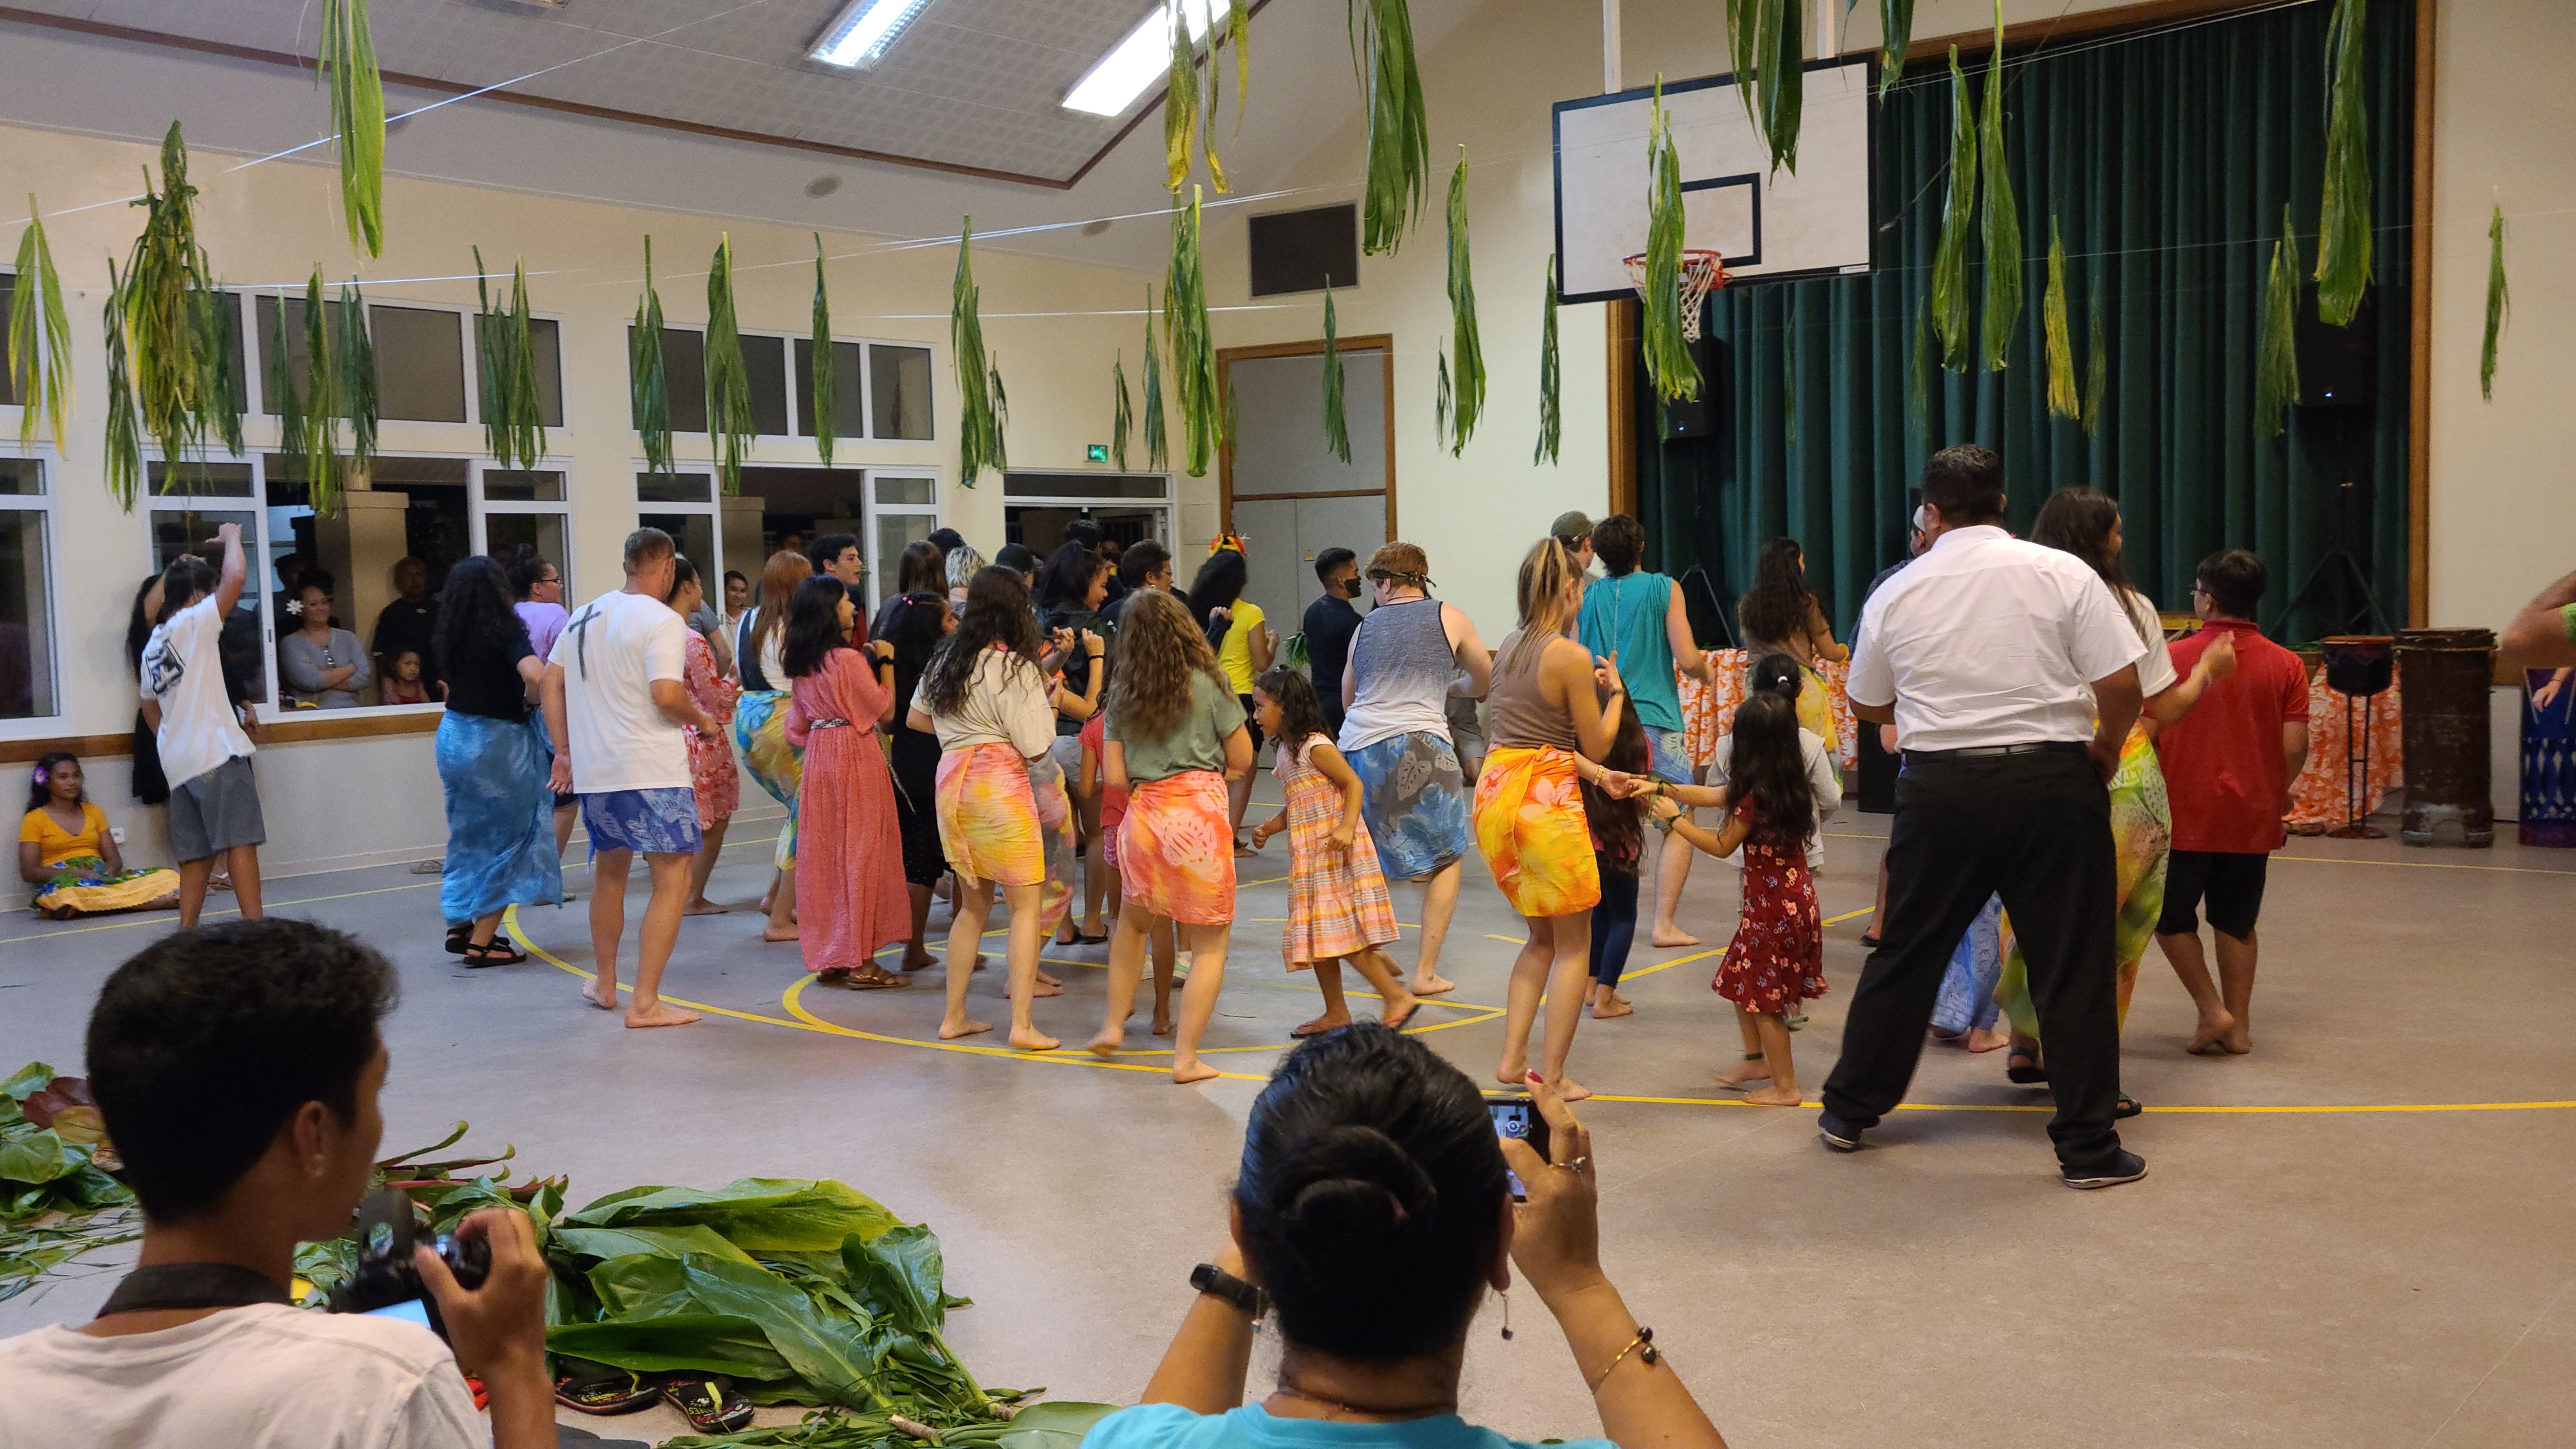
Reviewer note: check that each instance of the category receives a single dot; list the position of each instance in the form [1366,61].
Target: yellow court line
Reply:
[2424,864]
[2254,1111]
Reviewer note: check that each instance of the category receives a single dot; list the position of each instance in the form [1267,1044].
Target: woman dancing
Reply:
[760,725]
[852,890]
[916,622]
[492,765]
[1781,615]
[713,777]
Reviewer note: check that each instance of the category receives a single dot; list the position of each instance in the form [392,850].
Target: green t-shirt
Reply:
[2567,620]
[1199,743]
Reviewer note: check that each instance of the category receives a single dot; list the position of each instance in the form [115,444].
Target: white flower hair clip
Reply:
[295,607]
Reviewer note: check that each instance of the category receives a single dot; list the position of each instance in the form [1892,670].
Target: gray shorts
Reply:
[215,812]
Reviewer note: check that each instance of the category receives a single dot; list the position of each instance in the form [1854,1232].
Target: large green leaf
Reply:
[669,1242]
[643,1285]
[39,1157]
[897,1277]
[27,1081]
[1958,214]
[829,1353]
[2343,217]
[1055,1425]
[708,1342]
[756,1214]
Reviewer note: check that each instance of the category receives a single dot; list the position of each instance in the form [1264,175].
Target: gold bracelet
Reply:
[1645,1339]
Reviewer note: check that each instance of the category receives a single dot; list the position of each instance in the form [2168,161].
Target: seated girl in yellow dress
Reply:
[65,849]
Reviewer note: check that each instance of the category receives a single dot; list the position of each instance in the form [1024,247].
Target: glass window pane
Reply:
[509,485]
[420,363]
[21,477]
[764,367]
[505,533]
[694,532]
[847,420]
[684,378]
[896,531]
[8,376]
[26,618]
[435,529]
[545,340]
[299,366]
[212,480]
[903,490]
[899,387]
[177,531]
[674,487]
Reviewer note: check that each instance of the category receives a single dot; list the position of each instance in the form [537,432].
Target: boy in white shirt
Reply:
[214,802]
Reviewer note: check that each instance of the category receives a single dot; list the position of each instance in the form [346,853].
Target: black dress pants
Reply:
[2035,828]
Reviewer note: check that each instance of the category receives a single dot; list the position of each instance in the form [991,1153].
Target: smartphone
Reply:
[1516,1116]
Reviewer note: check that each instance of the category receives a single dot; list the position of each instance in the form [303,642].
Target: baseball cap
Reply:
[1573,526]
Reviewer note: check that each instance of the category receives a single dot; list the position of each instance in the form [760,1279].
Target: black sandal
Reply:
[495,952]
[710,1402]
[597,1388]
[2023,1067]
[459,937]
[2125,1108]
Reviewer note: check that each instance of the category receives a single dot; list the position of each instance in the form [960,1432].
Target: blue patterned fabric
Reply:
[1967,996]
[1668,756]
[500,817]
[1415,803]
[654,822]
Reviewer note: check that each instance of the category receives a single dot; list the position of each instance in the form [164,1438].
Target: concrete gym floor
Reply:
[2359,1235]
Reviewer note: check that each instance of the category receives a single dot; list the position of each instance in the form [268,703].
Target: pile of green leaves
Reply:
[1185,323]
[40,335]
[730,424]
[57,1200]
[514,426]
[2343,221]
[1399,138]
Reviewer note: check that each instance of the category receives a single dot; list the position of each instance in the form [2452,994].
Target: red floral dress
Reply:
[712,774]
[1777,958]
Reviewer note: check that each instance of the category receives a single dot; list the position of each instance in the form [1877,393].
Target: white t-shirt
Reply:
[262,1377]
[1822,776]
[2156,672]
[611,652]
[1988,640]
[183,670]
[1006,704]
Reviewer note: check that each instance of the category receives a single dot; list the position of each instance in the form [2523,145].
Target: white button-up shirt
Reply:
[1988,640]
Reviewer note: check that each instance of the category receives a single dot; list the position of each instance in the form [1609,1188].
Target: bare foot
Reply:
[1047,986]
[1572,1090]
[1670,936]
[1773,1097]
[1984,1039]
[919,961]
[1941,1035]
[1106,1044]
[1193,1070]
[660,1013]
[2212,1031]
[1609,1007]
[952,1030]
[1513,1074]
[1432,985]
[604,1001]
[768,897]
[1329,1021]
[1743,1072]
[772,933]
[2239,1040]
[1162,1025]
[1033,1040]
[1046,980]
[704,907]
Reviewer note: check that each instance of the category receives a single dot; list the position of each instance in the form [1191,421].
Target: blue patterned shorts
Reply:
[1669,756]
[1414,799]
[655,822]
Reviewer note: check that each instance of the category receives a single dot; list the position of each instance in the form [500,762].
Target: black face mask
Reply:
[1351,587]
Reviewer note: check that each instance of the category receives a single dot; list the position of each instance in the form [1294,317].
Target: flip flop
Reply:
[1300,1033]
[597,1388]
[1396,1023]
[2125,1108]
[1869,940]
[710,1402]
[2024,1068]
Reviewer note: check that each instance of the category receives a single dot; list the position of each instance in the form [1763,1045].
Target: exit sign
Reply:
[1096,452]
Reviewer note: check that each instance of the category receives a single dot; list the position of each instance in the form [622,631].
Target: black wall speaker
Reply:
[1699,417]
[2338,366]
[1304,251]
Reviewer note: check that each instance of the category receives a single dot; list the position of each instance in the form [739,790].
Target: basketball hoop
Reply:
[1702,273]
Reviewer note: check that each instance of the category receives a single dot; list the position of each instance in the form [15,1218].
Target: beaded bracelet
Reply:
[1645,1339]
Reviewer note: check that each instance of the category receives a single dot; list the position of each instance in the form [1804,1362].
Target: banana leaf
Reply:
[1464,340]
[348,52]
[1194,363]
[1180,100]
[825,396]
[2343,220]
[1896,29]
[1667,350]
[1122,415]
[686,1342]
[756,1214]
[2062,399]
[40,335]
[1549,421]
[1958,213]
[1337,428]
[2002,216]
[1767,44]
[2498,304]
[648,380]
[2276,345]
[1399,138]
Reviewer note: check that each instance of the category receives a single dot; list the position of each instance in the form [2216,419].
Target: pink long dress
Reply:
[850,897]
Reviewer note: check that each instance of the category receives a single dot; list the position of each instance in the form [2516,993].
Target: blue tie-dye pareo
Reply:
[760,732]
[500,817]
[1967,999]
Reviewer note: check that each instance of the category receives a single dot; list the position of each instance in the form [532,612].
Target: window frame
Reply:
[49,472]
[480,508]
[256,360]
[881,571]
[797,400]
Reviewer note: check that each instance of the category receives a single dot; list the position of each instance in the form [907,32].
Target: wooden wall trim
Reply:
[2419,371]
[1620,328]
[299,728]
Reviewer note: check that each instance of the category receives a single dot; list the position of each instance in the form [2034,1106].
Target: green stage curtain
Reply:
[2166,159]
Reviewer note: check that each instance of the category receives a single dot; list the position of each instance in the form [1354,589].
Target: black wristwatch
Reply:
[1217,1283]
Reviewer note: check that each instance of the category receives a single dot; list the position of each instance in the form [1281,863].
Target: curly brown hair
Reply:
[1159,647]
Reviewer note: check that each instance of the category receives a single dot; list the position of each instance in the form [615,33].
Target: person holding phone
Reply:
[238,1068]
[1372,1215]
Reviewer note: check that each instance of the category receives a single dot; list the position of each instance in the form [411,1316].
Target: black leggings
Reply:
[1614,921]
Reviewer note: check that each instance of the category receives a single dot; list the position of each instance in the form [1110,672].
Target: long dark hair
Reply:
[475,616]
[814,626]
[40,787]
[913,627]
[1218,585]
[1301,714]
[1372,1193]
[1768,770]
[1620,823]
[683,574]
[527,570]
[2079,521]
[1775,609]
[139,622]
[1775,674]
[997,612]
[1067,577]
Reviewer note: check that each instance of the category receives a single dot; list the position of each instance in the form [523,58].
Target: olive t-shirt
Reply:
[1199,742]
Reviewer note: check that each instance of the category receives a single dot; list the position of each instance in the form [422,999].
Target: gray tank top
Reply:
[1401,661]
[1518,716]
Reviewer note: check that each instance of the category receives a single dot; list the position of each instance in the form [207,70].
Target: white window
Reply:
[880,390]
[903,506]
[514,507]
[684,506]
[30,682]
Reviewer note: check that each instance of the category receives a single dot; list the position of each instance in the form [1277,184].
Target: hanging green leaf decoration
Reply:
[1744,55]
[1122,417]
[2002,216]
[648,381]
[1185,325]
[357,118]
[1399,138]
[1441,397]
[169,332]
[1665,343]
[2097,367]
[826,394]
[1238,30]
[1158,445]
[354,355]
[1207,132]
[2498,304]
[1549,421]
[730,425]
[1766,41]
[1789,406]
[2276,339]
[284,397]
[975,447]
[1896,30]
[1180,100]
[1001,419]
[2343,221]
[227,391]
[124,442]
[514,430]
[1918,380]
[1337,428]
[317,451]
[2062,399]
[40,335]
[527,413]
[1465,343]
[493,358]
[1958,213]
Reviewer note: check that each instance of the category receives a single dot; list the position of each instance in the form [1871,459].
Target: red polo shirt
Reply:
[2222,763]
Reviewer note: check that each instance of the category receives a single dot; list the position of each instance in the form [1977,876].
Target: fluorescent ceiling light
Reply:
[1145,56]
[864,31]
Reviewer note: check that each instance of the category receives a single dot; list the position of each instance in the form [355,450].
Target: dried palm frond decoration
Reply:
[2276,342]
[2343,221]
[648,380]
[1238,33]
[1666,348]
[2062,399]
[1549,422]
[2498,304]
[1464,341]
[2097,366]
[1441,396]
[514,428]
[40,335]
[1158,445]
[171,336]
[1399,139]
[124,443]
[316,446]
[730,425]
[1185,326]
[1001,419]
[227,391]
[353,356]
[1180,99]
[1958,213]
[358,118]
[2002,216]
[1896,31]
[1337,428]
[1767,43]
[976,446]
[1122,416]
[825,395]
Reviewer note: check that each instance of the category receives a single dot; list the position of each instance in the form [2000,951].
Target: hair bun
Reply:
[1361,1191]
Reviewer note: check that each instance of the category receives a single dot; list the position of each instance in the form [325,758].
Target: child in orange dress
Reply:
[1091,782]
[1338,907]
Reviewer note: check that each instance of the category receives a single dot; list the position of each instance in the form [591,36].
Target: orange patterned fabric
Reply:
[2318,800]
[1708,711]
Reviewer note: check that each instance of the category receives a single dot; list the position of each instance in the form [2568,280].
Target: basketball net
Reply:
[1702,272]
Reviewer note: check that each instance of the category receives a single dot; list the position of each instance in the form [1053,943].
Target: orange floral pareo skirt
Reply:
[1531,829]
